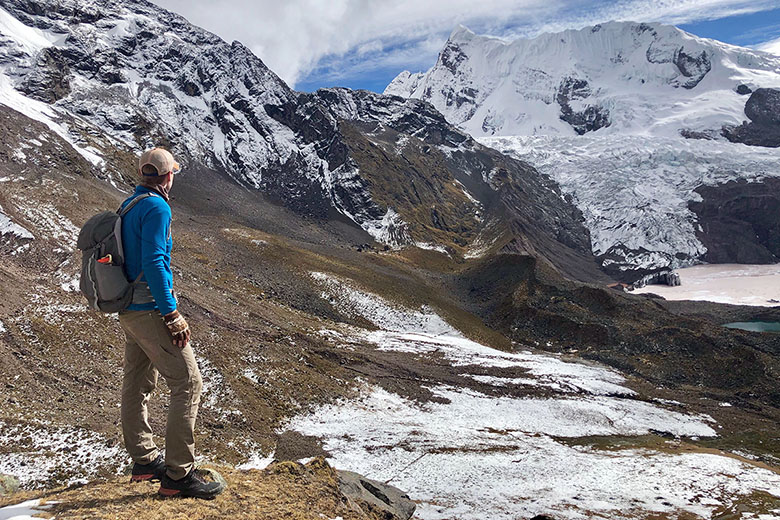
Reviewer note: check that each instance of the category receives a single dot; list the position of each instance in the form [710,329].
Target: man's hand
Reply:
[177,326]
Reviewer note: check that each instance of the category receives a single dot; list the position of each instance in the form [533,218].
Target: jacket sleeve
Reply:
[154,240]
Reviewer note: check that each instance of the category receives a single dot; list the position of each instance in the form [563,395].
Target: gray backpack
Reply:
[103,279]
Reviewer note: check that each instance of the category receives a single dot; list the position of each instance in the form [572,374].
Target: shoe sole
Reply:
[144,478]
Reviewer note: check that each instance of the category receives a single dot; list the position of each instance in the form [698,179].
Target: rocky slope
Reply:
[763,129]
[649,110]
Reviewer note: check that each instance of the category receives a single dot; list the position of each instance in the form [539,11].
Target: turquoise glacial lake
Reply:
[755,326]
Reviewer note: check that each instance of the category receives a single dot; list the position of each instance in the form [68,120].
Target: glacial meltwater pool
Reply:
[755,326]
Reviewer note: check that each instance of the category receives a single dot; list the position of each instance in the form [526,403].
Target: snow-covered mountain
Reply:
[617,78]
[629,118]
[115,77]
[772,46]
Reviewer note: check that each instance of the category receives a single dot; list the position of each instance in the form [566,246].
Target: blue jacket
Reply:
[147,242]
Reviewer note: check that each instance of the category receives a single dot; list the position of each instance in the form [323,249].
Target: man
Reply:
[158,340]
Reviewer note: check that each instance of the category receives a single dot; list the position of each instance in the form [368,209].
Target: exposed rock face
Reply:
[443,185]
[740,221]
[763,106]
[592,117]
[49,80]
[763,109]
[694,66]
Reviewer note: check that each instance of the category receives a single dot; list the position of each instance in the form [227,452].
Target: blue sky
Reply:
[744,30]
[366,43]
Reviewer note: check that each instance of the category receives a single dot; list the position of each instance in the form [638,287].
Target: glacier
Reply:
[634,191]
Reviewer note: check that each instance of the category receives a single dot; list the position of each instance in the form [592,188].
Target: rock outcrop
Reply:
[389,500]
[739,222]
[588,119]
[763,129]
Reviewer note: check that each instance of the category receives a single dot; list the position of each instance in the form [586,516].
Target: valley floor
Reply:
[737,284]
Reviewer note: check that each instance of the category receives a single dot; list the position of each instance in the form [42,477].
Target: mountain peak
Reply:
[461,34]
[613,77]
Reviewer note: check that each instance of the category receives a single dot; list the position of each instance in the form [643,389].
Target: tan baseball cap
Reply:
[157,161]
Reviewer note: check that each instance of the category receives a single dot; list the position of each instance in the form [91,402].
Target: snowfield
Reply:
[646,78]
[470,455]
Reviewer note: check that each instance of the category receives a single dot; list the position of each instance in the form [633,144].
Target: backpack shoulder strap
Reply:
[123,211]
[118,229]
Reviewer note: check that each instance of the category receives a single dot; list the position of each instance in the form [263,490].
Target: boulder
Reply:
[389,500]
[763,106]
[763,129]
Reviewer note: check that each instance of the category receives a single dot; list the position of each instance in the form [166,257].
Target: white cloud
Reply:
[295,37]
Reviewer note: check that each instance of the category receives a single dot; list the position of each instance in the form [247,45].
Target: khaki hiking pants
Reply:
[149,350]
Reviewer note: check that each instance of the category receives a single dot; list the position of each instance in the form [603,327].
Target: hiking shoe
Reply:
[152,472]
[193,485]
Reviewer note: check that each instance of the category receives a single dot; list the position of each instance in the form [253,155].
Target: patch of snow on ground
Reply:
[215,390]
[256,461]
[40,451]
[23,511]
[424,332]
[443,454]
[432,247]
[472,456]
[47,220]
[548,370]
[738,284]
[379,311]
[7,226]
[390,229]
[71,285]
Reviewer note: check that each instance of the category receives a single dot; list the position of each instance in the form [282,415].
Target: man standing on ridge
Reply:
[158,340]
